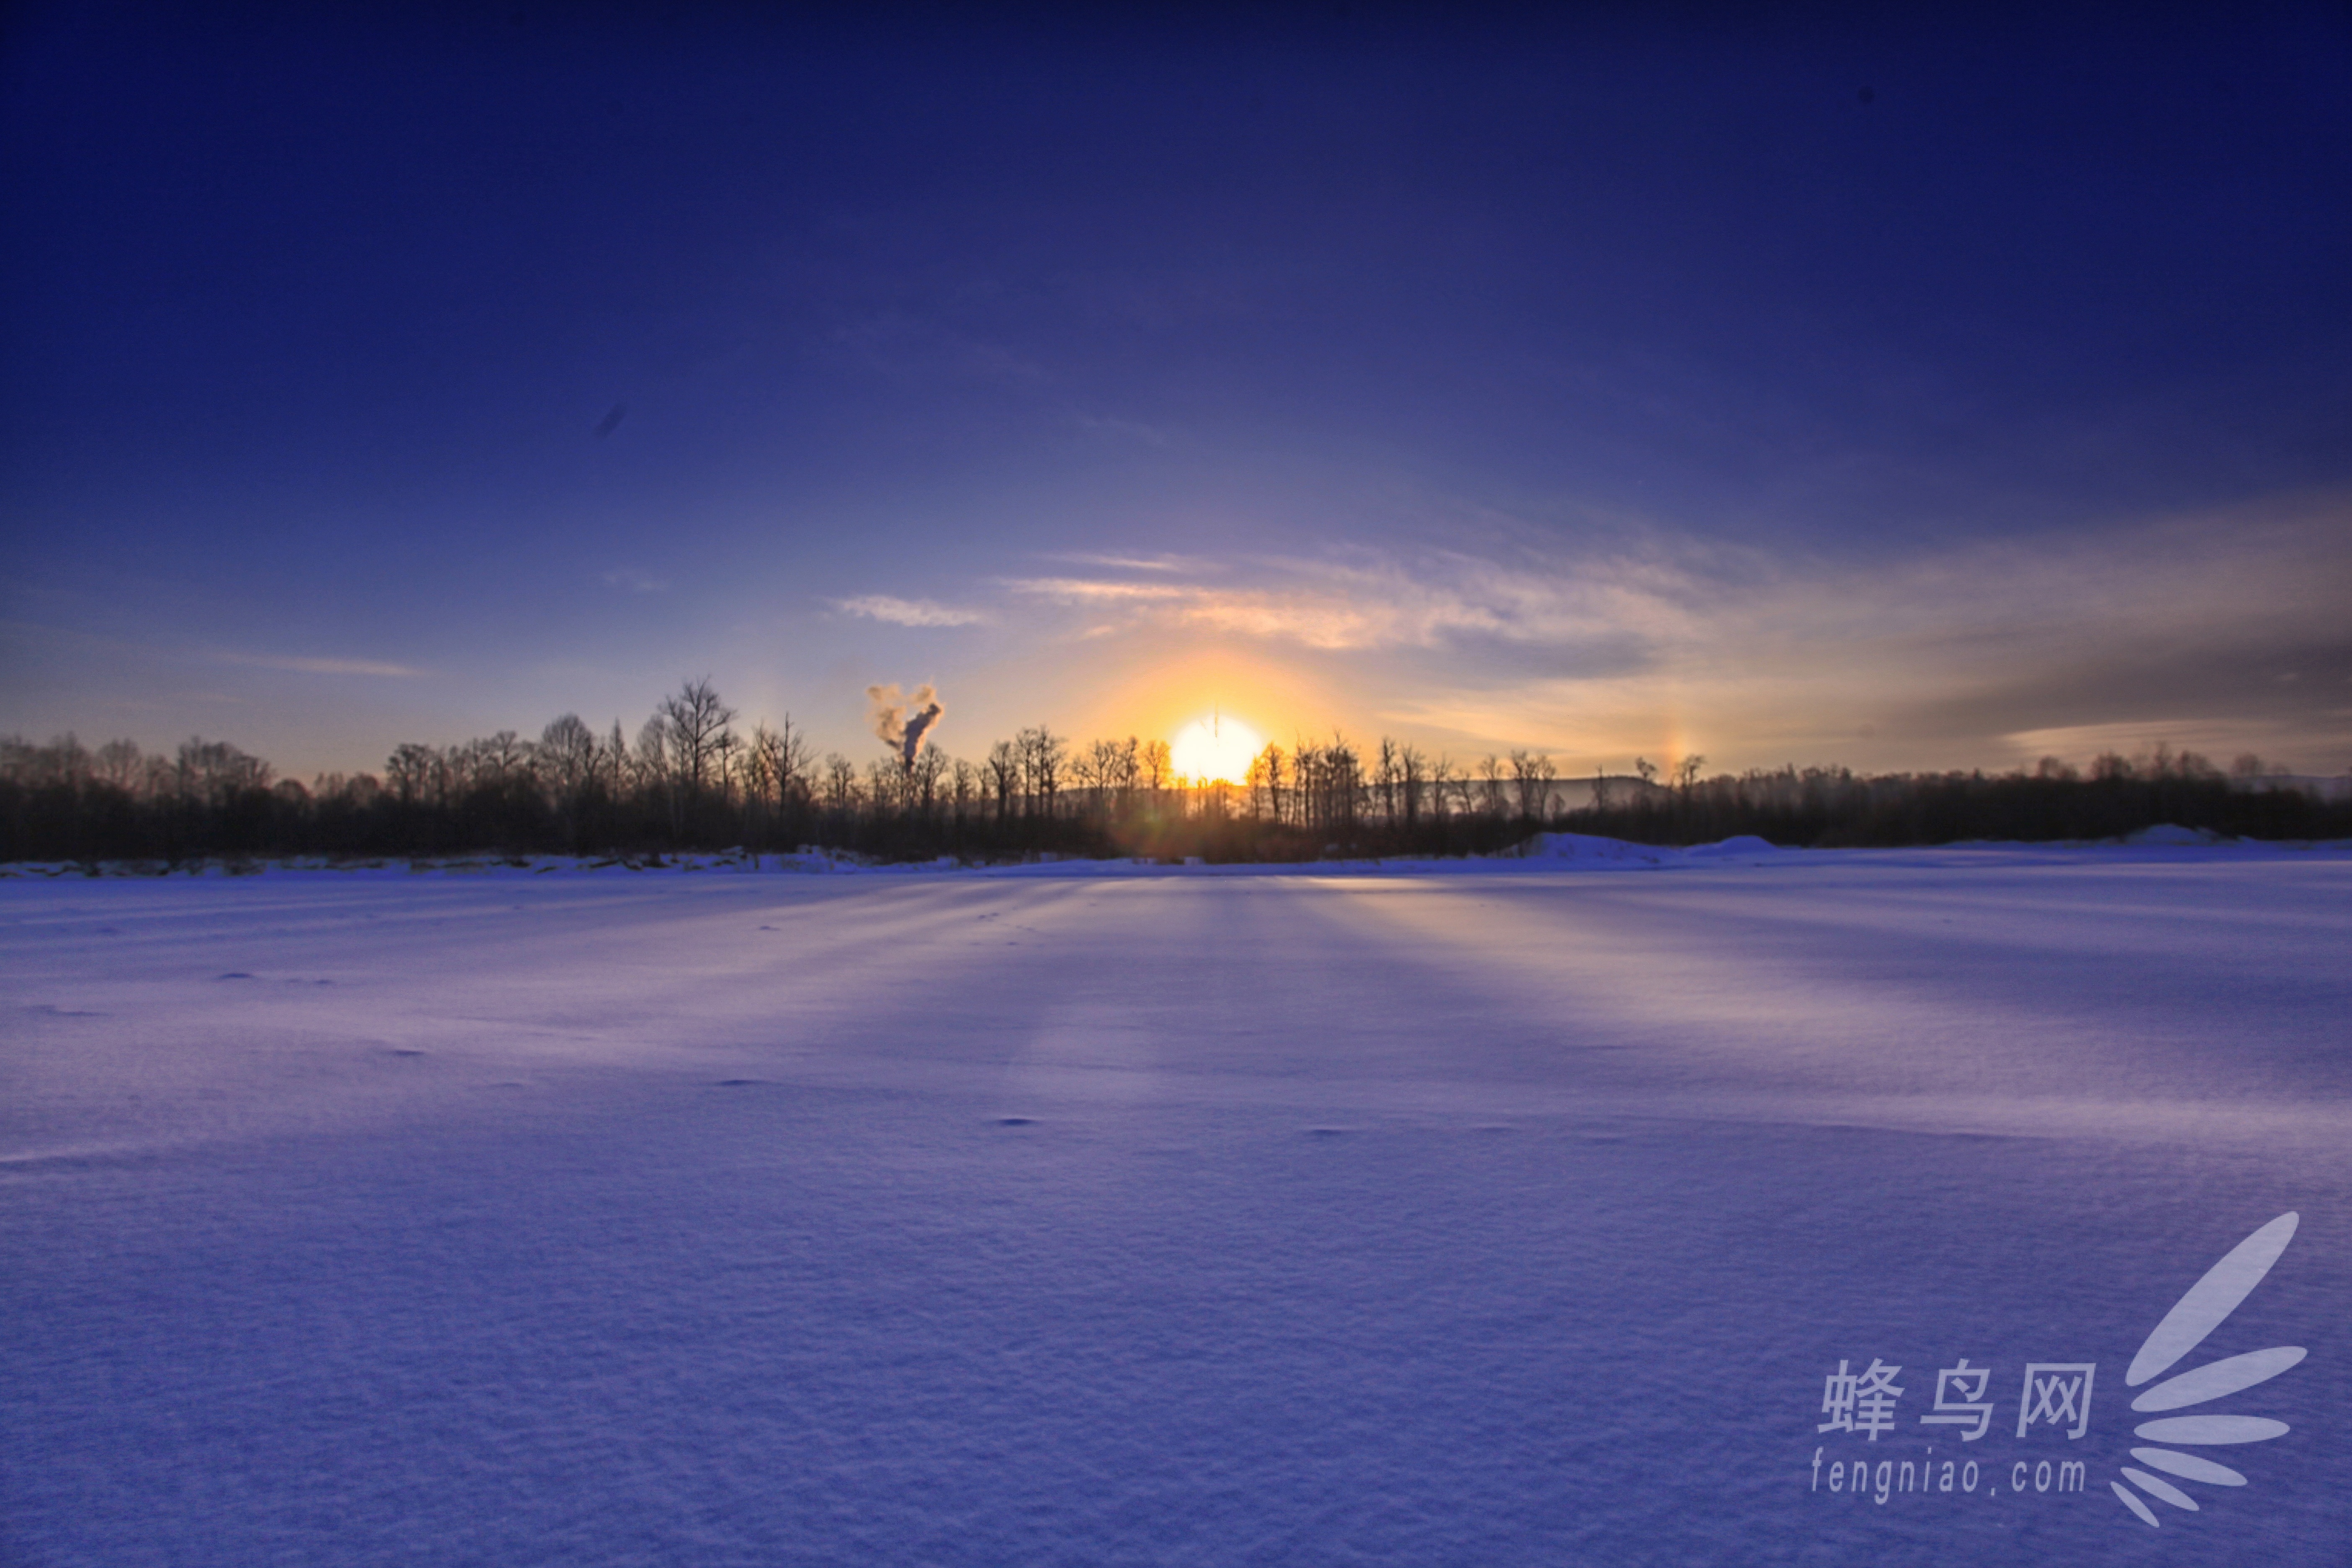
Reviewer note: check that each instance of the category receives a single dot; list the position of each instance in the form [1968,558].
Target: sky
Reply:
[1777,385]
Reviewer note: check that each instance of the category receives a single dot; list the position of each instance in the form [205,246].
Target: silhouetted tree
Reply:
[695,728]
[1003,770]
[1531,776]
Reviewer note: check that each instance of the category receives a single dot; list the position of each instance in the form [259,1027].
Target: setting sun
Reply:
[1215,748]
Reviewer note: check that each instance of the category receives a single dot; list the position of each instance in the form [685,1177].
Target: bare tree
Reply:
[612,760]
[1253,783]
[1130,766]
[651,771]
[729,746]
[501,756]
[695,724]
[1531,774]
[410,768]
[923,780]
[793,762]
[1490,785]
[776,766]
[1275,766]
[2197,765]
[755,774]
[567,755]
[886,785]
[567,769]
[1098,771]
[1327,782]
[840,783]
[1004,768]
[210,774]
[963,789]
[1344,777]
[1042,755]
[64,764]
[118,762]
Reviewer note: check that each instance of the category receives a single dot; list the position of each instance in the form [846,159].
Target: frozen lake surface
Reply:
[1501,1215]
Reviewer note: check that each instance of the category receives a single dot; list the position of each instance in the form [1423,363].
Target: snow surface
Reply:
[1489,1214]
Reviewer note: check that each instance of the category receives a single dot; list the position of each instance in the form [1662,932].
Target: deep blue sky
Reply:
[1798,388]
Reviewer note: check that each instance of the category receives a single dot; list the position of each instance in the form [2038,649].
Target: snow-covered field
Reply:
[1499,1215]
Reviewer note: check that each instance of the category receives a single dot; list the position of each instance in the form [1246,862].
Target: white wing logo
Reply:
[2198,1313]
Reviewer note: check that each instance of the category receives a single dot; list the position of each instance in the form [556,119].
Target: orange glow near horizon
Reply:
[1215,749]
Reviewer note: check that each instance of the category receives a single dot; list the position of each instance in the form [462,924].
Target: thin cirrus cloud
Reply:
[2221,632]
[2218,634]
[1129,562]
[1371,601]
[304,666]
[1093,591]
[909,612]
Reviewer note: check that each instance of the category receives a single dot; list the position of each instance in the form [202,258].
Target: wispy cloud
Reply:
[1087,590]
[1129,563]
[634,581]
[1371,602]
[2177,630]
[909,612]
[177,659]
[302,666]
[2209,631]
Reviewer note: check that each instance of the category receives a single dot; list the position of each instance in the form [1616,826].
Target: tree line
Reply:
[693,778]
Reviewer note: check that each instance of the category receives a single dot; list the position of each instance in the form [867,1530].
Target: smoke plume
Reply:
[903,719]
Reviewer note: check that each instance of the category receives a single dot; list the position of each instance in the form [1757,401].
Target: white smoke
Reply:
[902,719]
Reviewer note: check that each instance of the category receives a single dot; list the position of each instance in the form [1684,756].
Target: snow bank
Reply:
[2166,835]
[1585,848]
[1740,843]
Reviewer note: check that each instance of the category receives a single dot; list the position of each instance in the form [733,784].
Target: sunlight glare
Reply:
[1216,748]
